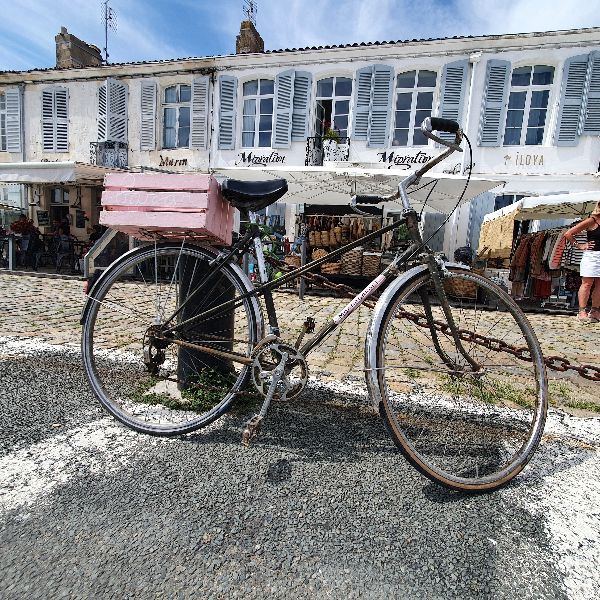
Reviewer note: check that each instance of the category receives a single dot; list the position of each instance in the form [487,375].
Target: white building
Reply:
[530,103]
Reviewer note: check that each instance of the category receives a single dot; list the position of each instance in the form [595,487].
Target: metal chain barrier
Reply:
[556,363]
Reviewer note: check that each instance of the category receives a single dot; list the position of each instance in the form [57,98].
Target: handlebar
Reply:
[431,124]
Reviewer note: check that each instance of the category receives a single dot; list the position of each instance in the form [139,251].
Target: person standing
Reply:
[589,268]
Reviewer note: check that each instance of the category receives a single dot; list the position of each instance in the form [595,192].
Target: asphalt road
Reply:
[321,506]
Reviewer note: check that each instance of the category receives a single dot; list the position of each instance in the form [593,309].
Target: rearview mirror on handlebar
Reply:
[431,124]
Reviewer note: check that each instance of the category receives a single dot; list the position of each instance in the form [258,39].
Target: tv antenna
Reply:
[250,9]
[109,20]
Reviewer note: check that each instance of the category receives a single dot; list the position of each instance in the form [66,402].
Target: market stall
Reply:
[536,265]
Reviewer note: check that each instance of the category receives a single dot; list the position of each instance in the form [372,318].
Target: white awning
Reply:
[53,172]
[557,206]
[327,185]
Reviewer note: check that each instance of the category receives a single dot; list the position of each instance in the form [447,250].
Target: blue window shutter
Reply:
[571,100]
[148,116]
[282,114]
[103,112]
[453,87]
[591,117]
[301,104]
[13,120]
[227,109]
[116,130]
[61,120]
[362,103]
[48,120]
[381,106]
[199,131]
[493,114]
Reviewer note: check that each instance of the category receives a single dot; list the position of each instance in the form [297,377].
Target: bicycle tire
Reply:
[468,428]
[188,389]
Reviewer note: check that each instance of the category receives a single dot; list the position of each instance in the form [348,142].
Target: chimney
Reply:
[248,40]
[71,52]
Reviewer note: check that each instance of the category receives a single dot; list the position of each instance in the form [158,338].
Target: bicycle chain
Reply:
[556,363]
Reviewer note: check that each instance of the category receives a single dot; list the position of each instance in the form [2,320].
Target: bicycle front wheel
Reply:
[466,414]
[157,382]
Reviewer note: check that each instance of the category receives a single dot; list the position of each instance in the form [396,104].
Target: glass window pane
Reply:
[342,107]
[184,137]
[517,100]
[341,122]
[171,94]
[170,117]
[343,86]
[248,139]
[512,136]
[534,136]
[248,124]
[400,137]
[521,76]
[427,79]
[184,116]
[420,116]
[419,139]
[251,88]
[402,118]
[406,80]
[250,107]
[264,139]
[514,118]
[425,100]
[403,101]
[266,106]
[185,93]
[543,75]
[266,86]
[539,98]
[325,88]
[537,117]
[169,137]
[265,123]
[2,101]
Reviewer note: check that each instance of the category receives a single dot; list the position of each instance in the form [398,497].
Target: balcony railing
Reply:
[319,149]
[109,154]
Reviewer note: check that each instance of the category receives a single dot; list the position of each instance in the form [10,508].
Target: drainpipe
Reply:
[211,119]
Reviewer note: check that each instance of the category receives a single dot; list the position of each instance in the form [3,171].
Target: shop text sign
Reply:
[403,161]
[252,159]
[167,161]
[524,160]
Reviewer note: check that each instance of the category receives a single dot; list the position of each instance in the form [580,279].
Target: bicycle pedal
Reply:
[251,430]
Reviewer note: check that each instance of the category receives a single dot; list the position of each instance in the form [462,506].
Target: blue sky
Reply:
[157,29]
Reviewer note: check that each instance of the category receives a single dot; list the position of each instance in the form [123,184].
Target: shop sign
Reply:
[249,159]
[403,161]
[167,161]
[43,218]
[524,160]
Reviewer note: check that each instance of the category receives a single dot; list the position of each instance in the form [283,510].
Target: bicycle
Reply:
[173,334]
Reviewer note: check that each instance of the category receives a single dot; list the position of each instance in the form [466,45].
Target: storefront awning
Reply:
[53,172]
[326,185]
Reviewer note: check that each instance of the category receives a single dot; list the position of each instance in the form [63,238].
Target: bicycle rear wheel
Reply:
[152,382]
[467,416]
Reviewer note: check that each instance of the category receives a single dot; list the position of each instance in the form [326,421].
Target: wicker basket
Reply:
[331,268]
[371,263]
[351,262]
[319,253]
[460,288]
[293,260]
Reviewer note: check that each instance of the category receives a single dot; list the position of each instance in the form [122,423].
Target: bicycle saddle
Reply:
[253,195]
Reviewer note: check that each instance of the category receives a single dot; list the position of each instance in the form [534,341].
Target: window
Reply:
[2,122]
[257,126]
[333,105]
[59,204]
[414,99]
[176,116]
[503,200]
[527,105]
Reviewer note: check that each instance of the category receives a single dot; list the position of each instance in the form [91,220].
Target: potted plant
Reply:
[332,149]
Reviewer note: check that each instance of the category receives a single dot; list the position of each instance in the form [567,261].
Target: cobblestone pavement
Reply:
[49,309]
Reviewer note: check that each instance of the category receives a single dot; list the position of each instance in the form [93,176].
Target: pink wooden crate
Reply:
[170,205]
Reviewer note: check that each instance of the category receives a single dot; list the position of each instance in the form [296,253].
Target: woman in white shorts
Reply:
[589,269]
